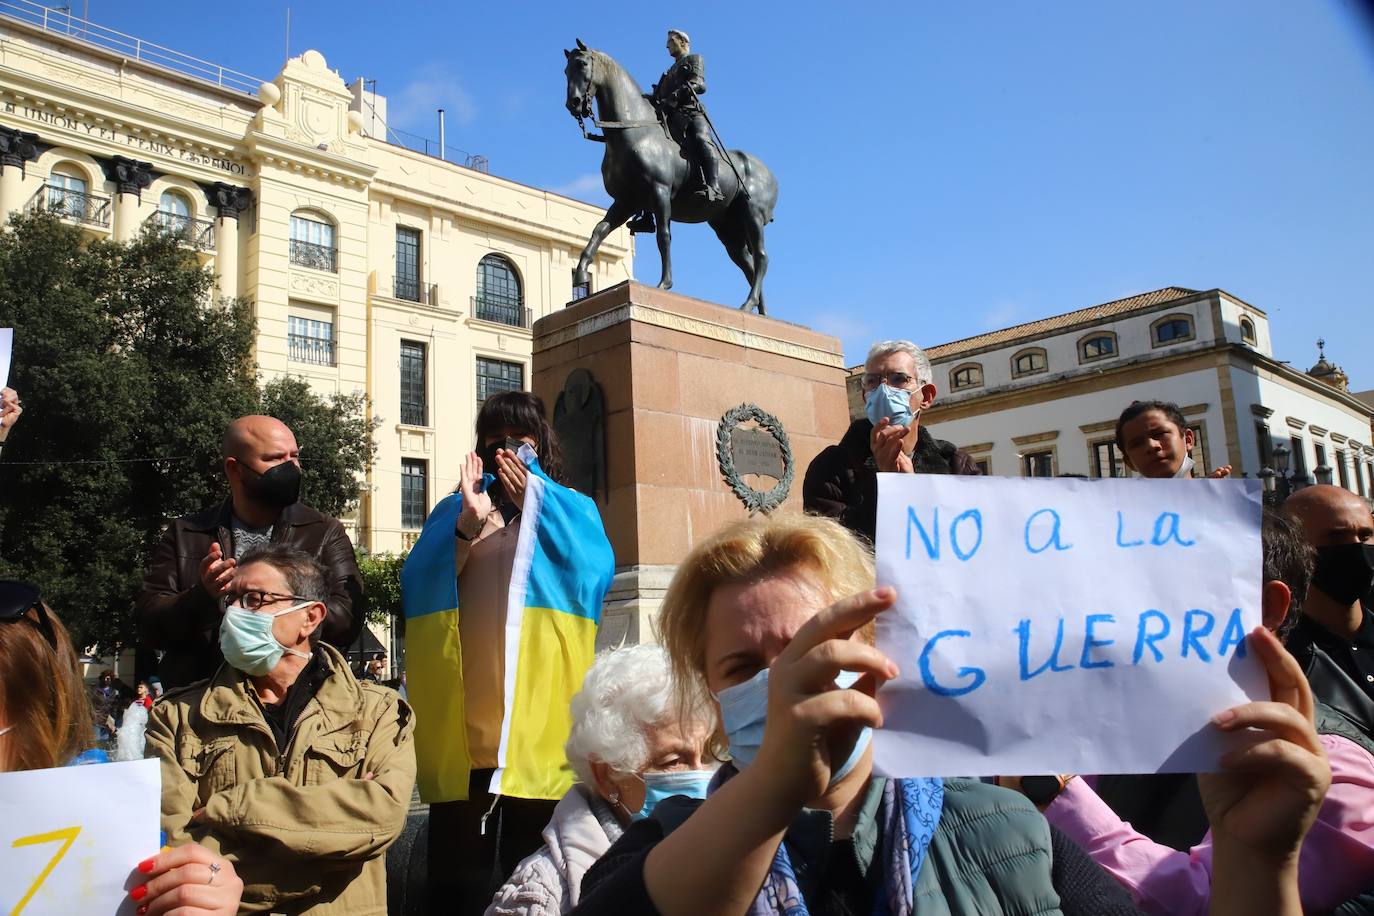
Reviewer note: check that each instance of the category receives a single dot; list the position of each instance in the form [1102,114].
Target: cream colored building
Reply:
[370,267]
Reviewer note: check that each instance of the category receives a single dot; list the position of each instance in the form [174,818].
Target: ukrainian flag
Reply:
[563,568]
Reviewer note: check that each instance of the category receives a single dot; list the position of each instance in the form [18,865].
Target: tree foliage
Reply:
[129,374]
[381,574]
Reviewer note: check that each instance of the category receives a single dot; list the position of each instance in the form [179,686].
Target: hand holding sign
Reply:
[1038,620]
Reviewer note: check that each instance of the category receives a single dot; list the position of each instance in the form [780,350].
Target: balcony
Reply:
[78,206]
[412,290]
[317,351]
[195,233]
[316,257]
[501,310]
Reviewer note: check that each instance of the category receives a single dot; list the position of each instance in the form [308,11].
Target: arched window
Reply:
[174,203]
[969,375]
[499,297]
[1096,346]
[1171,329]
[68,195]
[312,241]
[1247,330]
[1029,362]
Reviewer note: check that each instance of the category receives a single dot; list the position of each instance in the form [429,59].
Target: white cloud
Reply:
[588,187]
[434,86]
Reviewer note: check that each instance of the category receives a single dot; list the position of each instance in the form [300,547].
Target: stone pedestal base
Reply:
[669,368]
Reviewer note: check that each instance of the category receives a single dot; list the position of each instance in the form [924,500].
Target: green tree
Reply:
[381,574]
[129,374]
[335,436]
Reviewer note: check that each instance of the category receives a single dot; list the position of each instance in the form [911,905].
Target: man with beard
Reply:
[179,607]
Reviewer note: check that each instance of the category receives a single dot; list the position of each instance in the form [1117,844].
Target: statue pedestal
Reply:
[670,368]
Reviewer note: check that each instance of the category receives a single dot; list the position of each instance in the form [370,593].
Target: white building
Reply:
[1042,398]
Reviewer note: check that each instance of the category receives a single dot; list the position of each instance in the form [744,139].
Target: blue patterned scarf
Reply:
[910,814]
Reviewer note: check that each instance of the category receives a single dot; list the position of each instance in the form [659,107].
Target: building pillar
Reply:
[130,178]
[16,148]
[228,201]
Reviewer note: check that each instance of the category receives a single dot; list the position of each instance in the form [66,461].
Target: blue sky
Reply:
[945,169]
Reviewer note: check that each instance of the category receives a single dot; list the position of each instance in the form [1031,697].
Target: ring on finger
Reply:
[214,872]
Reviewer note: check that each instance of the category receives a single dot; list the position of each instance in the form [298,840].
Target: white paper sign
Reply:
[1064,625]
[71,838]
[6,346]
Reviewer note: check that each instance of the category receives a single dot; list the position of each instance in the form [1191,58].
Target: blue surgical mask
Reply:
[245,638]
[886,402]
[744,709]
[658,786]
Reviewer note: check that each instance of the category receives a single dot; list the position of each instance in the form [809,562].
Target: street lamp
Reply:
[1279,484]
[1281,453]
[1323,472]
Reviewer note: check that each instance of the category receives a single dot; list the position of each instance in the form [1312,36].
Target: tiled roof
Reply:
[1057,322]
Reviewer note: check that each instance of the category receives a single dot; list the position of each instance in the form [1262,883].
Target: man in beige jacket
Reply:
[283,762]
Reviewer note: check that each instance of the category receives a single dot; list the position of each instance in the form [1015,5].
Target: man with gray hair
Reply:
[842,481]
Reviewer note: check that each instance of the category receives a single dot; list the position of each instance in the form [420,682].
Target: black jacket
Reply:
[842,481]
[174,613]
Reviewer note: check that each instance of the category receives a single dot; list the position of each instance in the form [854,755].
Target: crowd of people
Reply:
[728,769]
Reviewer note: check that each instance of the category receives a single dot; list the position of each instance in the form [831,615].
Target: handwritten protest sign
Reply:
[71,838]
[1064,626]
[6,346]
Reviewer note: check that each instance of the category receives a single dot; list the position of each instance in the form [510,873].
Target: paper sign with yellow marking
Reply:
[71,838]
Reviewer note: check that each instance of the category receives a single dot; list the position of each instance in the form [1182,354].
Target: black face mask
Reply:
[277,487]
[1345,572]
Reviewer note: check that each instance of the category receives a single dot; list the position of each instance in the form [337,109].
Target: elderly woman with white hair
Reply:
[632,745]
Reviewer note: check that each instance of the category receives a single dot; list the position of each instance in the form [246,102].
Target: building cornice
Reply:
[318,163]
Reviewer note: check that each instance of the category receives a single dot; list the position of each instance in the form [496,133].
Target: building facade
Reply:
[1042,398]
[370,267]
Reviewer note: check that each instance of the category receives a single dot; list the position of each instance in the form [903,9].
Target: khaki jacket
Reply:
[305,831]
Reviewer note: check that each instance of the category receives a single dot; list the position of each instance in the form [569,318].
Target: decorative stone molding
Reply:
[1295,422]
[1261,411]
[1339,438]
[1036,438]
[1105,426]
[325,289]
[229,200]
[129,175]
[1193,410]
[18,147]
[978,449]
[1317,430]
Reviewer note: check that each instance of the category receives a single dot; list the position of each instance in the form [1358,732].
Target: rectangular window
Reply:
[413,384]
[1321,454]
[1265,443]
[1037,464]
[1199,452]
[414,492]
[1359,475]
[1363,474]
[407,263]
[1299,459]
[984,466]
[495,376]
[1107,460]
[1342,472]
[310,340]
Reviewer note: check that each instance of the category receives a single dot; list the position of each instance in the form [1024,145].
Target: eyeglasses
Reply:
[895,379]
[254,600]
[17,599]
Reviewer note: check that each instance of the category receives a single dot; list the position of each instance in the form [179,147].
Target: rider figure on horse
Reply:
[675,96]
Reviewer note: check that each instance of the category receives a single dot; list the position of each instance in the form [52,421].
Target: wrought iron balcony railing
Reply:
[412,290]
[318,351]
[79,206]
[502,310]
[197,233]
[316,257]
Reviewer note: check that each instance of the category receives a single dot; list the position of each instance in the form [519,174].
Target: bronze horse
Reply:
[643,170]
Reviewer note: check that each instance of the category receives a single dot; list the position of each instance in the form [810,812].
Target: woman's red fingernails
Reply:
[145,866]
[139,892]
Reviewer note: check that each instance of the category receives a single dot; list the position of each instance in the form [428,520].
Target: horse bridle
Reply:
[605,125]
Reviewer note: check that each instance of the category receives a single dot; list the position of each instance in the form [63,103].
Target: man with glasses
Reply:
[842,481]
[178,608]
[283,760]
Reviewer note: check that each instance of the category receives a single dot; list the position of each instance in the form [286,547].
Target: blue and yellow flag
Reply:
[563,568]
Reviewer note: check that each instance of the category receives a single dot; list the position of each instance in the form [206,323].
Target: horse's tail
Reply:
[759,182]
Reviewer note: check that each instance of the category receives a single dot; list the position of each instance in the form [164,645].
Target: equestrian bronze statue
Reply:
[664,160]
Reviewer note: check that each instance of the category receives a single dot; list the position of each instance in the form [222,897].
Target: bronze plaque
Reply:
[756,452]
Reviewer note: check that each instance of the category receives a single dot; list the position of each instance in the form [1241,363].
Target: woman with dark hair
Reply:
[45,722]
[502,596]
